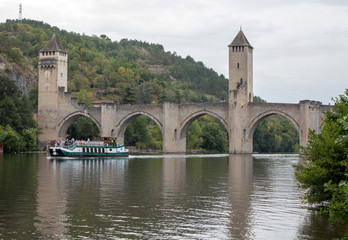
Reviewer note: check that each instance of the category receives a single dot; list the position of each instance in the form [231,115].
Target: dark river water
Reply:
[156,197]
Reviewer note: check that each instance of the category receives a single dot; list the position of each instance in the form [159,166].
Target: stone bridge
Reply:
[57,109]
[173,119]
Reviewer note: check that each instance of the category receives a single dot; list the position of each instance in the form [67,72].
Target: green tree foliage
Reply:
[143,133]
[19,130]
[214,139]
[194,139]
[30,139]
[338,206]
[11,139]
[275,134]
[33,98]
[86,97]
[15,108]
[324,172]
[207,134]
[125,71]
[128,71]
[82,129]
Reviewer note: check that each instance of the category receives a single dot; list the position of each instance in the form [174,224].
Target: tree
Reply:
[324,172]
[12,140]
[275,134]
[30,139]
[194,136]
[136,133]
[83,128]
[214,138]
[15,110]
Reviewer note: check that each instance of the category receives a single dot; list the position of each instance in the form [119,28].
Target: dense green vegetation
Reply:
[18,130]
[324,173]
[128,71]
[135,72]
[207,134]
[143,133]
[276,134]
[83,128]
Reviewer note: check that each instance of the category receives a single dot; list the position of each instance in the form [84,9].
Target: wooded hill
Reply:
[125,71]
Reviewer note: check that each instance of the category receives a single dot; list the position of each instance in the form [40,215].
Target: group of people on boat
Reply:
[72,142]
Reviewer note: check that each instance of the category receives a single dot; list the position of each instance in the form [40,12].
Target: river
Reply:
[156,197]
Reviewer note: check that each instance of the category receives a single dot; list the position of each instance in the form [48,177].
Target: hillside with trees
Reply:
[130,72]
[125,71]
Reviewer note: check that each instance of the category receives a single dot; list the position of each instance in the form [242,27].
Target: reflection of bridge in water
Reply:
[239,115]
[61,196]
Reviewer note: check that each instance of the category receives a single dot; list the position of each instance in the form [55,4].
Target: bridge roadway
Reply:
[174,119]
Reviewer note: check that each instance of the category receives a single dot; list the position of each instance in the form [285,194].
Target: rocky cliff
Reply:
[23,75]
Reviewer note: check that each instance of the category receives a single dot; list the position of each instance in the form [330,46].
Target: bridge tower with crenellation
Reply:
[53,74]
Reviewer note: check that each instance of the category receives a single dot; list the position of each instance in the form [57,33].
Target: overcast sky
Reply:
[300,46]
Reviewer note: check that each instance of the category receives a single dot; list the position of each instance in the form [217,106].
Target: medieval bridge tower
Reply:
[53,74]
[57,109]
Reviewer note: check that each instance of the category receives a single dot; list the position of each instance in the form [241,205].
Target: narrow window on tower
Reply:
[237,65]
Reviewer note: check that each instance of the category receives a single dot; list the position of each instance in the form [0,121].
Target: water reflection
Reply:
[169,197]
[173,177]
[51,197]
[239,194]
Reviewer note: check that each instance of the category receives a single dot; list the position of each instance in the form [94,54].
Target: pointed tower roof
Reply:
[53,45]
[240,40]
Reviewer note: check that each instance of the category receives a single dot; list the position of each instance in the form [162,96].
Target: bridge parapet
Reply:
[311,102]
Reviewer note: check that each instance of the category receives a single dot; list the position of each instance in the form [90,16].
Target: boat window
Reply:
[83,149]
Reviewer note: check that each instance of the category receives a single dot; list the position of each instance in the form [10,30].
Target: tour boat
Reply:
[107,147]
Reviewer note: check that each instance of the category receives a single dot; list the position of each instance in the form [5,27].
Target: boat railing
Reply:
[89,143]
[72,145]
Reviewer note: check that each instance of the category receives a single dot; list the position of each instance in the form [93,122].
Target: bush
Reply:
[13,142]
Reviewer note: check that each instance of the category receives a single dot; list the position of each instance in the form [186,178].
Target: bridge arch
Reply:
[69,119]
[192,117]
[123,124]
[249,132]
